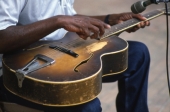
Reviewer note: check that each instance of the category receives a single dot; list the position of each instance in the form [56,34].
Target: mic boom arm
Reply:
[140,6]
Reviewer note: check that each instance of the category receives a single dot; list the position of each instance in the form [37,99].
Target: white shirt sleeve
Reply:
[72,6]
[9,12]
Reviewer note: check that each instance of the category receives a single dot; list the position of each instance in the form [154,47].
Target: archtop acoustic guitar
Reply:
[69,71]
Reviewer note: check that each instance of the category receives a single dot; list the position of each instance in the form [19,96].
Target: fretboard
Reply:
[118,28]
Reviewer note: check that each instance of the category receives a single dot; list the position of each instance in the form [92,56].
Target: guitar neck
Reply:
[118,28]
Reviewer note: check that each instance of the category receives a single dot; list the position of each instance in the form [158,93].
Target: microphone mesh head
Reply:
[138,7]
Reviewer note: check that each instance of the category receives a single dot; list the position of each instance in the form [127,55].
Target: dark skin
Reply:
[15,37]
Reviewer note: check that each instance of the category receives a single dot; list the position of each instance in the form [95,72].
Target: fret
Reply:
[151,14]
[115,29]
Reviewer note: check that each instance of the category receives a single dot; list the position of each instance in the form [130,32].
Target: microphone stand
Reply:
[167,45]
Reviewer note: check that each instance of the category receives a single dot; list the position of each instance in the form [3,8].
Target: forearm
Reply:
[100,17]
[112,20]
[15,37]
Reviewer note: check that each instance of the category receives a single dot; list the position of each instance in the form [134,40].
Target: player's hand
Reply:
[84,26]
[118,18]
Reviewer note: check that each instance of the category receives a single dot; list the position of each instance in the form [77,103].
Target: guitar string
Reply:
[107,32]
[121,26]
[114,28]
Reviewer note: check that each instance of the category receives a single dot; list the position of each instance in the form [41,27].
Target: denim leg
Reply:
[92,106]
[133,83]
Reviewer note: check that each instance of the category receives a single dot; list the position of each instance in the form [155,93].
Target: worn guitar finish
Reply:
[69,71]
[70,80]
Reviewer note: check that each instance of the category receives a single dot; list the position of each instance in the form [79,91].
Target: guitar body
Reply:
[68,72]
[70,80]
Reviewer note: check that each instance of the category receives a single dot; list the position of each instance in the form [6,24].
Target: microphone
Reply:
[140,6]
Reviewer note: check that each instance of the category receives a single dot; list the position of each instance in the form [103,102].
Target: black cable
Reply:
[167,46]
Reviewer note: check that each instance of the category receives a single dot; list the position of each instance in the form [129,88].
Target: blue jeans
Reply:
[132,85]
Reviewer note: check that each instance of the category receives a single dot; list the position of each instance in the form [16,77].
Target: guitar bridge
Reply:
[62,49]
[38,62]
